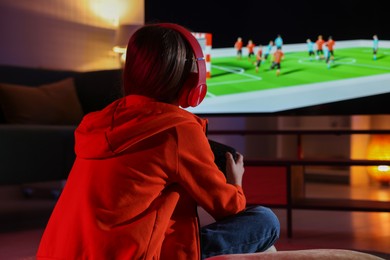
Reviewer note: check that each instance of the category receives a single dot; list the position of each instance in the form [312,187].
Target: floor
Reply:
[22,221]
[362,231]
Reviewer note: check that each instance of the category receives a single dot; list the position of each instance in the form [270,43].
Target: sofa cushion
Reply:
[55,103]
[308,254]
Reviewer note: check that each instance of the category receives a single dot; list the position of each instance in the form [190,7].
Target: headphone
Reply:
[194,89]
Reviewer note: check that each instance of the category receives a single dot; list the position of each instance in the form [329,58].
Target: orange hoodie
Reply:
[142,167]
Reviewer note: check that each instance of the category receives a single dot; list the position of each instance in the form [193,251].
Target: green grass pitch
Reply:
[232,76]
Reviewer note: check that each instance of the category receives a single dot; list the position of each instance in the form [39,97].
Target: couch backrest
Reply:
[95,89]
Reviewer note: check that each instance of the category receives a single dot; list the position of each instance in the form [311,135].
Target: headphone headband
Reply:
[193,99]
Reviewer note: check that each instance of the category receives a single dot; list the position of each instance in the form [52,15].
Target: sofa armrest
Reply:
[35,153]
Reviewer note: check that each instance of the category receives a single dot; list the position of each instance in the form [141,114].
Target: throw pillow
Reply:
[55,104]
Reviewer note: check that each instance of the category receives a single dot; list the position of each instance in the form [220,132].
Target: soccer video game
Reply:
[236,85]
[351,80]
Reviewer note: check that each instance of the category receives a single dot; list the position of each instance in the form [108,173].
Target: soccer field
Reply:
[232,76]
[236,88]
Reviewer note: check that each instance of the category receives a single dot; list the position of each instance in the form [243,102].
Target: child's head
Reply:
[158,62]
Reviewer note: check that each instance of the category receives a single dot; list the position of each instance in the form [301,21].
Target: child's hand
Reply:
[234,169]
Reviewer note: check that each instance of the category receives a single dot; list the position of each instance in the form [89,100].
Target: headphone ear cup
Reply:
[191,93]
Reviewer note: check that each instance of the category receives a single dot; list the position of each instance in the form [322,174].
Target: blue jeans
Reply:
[253,230]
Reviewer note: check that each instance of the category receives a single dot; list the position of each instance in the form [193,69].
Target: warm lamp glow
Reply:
[379,149]
[383,168]
[109,10]
[121,52]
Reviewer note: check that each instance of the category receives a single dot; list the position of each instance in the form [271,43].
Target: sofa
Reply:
[39,111]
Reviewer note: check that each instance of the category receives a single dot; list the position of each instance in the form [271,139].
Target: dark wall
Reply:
[263,20]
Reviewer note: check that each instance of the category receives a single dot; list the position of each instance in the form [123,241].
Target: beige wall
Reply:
[64,34]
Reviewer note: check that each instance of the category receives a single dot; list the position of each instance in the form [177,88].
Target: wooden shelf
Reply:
[342,205]
[295,173]
[295,187]
[286,162]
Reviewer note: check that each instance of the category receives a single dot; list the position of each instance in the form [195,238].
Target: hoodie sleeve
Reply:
[202,179]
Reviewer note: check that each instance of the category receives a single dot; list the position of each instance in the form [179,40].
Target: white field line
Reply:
[234,70]
[240,71]
[209,94]
[379,52]
[232,82]
[351,63]
[364,65]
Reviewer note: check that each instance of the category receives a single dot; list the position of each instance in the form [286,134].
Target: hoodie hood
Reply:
[125,122]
